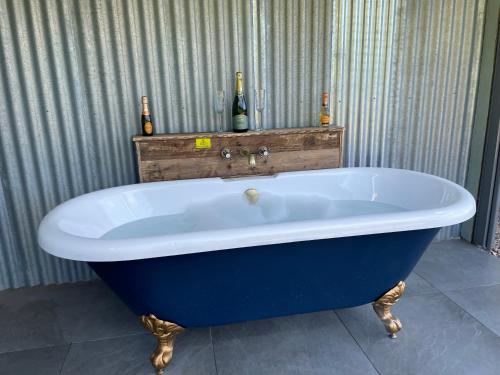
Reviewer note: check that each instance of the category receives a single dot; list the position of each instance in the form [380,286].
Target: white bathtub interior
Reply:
[215,204]
[234,211]
[180,217]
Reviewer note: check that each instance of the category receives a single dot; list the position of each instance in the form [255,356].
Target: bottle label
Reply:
[148,127]
[203,143]
[324,120]
[240,122]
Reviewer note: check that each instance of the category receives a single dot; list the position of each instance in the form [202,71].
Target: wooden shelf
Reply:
[167,136]
[198,155]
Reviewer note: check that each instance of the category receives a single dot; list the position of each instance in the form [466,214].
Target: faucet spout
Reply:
[251,156]
[251,160]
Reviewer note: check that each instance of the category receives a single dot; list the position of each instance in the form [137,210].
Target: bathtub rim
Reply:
[69,246]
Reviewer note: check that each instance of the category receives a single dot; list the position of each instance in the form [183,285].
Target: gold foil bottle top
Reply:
[324,115]
[324,98]
[239,82]
[145,107]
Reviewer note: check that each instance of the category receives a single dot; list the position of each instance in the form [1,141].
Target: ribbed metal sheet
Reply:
[402,76]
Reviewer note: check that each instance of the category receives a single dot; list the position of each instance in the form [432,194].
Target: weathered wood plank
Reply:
[252,134]
[175,156]
[179,169]
[180,148]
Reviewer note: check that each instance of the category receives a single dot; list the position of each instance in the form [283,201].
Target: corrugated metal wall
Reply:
[402,75]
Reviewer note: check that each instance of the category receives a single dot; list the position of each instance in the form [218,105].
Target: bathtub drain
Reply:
[252,195]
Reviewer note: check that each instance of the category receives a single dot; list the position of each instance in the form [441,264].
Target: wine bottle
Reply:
[146,120]
[240,118]
[324,114]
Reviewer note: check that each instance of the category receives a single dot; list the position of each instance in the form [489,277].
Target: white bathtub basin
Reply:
[181,217]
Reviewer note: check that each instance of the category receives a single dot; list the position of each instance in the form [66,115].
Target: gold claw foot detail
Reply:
[165,333]
[383,306]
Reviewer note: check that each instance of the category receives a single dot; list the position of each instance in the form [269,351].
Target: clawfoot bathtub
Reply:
[205,252]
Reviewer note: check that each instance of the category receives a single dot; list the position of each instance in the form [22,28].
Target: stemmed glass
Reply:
[220,101]
[260,101]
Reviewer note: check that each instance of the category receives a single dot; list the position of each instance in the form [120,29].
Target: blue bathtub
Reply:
[236,285]
[209,251]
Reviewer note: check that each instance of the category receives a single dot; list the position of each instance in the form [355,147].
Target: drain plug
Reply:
[252,195]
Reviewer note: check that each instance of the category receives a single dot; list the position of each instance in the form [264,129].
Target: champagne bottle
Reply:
[146,120]
[240,118]
[324,114]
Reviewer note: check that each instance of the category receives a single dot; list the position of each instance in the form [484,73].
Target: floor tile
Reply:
[416,286]
[315,343]
[456,264]
[129,355]
[438,337]
[28,320]
[45,361]
[58,314]
[483,303]
[91,311]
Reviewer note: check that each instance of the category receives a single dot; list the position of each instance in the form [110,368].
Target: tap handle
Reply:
[263,151]
[225,153]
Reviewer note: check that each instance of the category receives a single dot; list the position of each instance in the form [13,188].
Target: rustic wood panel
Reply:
[175,156]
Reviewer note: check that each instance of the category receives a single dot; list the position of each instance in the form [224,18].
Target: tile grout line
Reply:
[35,348]
[120,336]
[357,343]
[65,358]
[75,342]
[213,351]
[460,307]
[471,315]
[419,275]
[457,289]
[443,291]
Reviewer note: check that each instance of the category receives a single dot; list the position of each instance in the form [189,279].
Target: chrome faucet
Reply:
[244,151]
[262,152]
[225,153]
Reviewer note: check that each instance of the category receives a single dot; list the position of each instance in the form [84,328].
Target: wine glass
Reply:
[220,101]
[260,102]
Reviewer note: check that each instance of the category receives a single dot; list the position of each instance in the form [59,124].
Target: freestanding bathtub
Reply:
[210,251]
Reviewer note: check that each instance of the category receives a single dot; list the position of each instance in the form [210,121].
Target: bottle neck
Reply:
[145,109]
[239,84]
[239,87]
[324,101]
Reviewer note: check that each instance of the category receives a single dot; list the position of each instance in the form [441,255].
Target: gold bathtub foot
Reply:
[165,333]
[383,306]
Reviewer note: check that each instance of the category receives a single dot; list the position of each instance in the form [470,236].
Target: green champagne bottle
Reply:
[240,117]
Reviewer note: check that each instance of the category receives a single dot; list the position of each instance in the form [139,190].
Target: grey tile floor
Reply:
[450,313]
